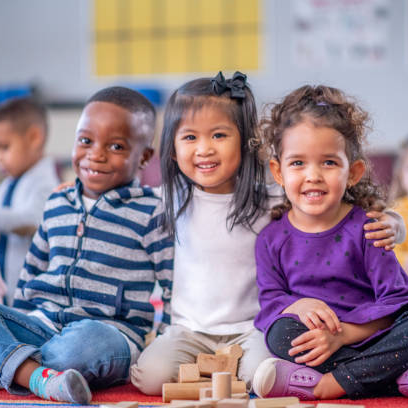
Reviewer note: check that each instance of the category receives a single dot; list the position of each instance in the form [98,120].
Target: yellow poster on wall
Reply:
[175,36]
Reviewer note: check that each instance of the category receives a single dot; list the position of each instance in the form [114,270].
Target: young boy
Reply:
[31,178]
[93,263]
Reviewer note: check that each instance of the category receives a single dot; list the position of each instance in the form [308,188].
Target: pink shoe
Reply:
[402,382]
[280,378]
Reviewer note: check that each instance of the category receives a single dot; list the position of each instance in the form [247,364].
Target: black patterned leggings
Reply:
[367,371]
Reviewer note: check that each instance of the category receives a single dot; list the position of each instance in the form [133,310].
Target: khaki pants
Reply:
[159,362]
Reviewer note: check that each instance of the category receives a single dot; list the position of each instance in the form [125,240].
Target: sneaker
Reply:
[280,378]
[402,382]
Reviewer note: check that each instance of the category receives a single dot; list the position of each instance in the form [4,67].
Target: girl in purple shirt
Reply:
[330,299]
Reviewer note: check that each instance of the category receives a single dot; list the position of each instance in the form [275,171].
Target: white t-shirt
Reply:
[214,283]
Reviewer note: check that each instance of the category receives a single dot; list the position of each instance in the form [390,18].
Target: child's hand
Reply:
[315,314]
[63,186]
[321,343]
[385,227]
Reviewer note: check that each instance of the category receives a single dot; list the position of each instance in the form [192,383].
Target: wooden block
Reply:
[301,406]
[188,373]
[221,385]
[191,391]
[208,379]
[183,404]
[123,404]
[212,401]
[232,403]
[205,393]
[211,363]
[323,405]
[206,403]
[233,353]
[192,404]
[242,395]
[280,402]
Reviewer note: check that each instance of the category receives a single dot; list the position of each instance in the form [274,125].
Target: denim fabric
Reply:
[97,350]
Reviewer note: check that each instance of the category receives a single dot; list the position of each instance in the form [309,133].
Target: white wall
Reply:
[46,42]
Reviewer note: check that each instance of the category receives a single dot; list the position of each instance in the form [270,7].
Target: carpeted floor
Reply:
[130,393]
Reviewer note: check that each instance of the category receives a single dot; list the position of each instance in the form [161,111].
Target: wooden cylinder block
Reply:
[191,391]
[221,385]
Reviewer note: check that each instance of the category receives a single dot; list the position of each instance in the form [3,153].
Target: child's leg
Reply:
[274,378]
[68,386]
[254,352]
[380,363]
[20,339]
[99,351]
[159,362]
[356,371]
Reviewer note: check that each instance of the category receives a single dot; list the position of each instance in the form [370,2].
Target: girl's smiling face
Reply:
[208,149]
[315,172]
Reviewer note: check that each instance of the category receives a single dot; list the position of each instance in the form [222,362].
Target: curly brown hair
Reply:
[328,107]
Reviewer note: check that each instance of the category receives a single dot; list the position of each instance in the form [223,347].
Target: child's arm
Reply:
[161,251]
[274,294]
[322,344]
[315,314]
[389,229]
[25,219]
[36,263]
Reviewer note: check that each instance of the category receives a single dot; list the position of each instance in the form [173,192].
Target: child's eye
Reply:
[188,137]
[330,163]
[219,135]
[296,163]
[84,140]
[117,146]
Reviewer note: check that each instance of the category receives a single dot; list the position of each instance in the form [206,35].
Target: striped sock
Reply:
[68,385]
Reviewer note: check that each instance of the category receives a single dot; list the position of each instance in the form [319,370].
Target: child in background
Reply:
[329,299]
[31,178]
[398,198]
[93,263]
[216,203]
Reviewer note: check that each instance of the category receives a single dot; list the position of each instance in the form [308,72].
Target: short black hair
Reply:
[129,99]
[23,113]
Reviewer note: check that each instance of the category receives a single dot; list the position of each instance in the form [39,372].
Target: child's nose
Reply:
[96,153]
[314,174]
[204,148]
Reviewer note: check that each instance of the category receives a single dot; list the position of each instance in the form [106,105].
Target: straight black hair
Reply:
[250,194]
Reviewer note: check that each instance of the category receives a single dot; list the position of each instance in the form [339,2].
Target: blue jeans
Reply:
[97,350]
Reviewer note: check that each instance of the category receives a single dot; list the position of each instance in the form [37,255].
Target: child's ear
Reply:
[357,170]
[274,166]
[35,136]
[146,156]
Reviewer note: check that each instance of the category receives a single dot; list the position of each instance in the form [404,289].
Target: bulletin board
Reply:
[340,33]
[132,37]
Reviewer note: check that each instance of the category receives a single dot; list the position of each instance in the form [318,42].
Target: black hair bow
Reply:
[236,85]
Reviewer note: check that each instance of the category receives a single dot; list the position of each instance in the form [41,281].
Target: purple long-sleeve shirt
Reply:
[339,266]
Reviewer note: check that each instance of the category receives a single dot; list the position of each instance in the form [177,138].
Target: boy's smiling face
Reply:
[109,147]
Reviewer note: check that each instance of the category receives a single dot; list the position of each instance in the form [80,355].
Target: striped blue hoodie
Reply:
[101,264]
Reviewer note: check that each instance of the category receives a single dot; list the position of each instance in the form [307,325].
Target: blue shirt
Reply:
[101,264]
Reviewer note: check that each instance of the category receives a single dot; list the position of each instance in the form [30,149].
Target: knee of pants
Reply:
[281,334]
[96,349]
[151,371]
[159,362]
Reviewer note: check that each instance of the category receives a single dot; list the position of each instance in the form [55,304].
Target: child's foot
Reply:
[402,382]
[68,385]
[281,378]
